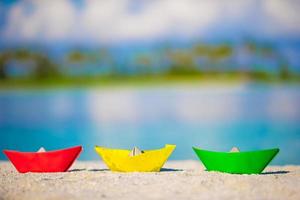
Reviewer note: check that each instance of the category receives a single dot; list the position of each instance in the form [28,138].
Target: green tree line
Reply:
[175,61]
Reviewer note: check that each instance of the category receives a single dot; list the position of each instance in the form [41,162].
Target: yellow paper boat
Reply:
[149,161]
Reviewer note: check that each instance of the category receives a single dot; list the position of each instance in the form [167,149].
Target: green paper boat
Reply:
[250,162]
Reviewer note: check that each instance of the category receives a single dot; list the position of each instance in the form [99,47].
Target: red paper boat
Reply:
[51,161]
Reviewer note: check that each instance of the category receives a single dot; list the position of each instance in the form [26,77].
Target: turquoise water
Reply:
[213,117]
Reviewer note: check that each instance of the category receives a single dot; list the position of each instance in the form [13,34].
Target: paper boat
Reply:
[121,160]
[250,162]
[51,161]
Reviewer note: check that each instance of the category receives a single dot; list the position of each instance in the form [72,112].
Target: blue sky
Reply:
[118,21]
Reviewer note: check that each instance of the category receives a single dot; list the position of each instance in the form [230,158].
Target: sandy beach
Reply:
[177,180]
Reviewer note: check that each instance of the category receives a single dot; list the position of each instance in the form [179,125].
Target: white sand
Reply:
[182,180]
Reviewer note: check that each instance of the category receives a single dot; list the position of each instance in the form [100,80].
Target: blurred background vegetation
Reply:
[249,60]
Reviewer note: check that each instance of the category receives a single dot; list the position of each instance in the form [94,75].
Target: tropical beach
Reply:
[134,99]
[177,180]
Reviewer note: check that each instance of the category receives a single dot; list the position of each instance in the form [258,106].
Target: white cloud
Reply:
[113,20]
[30,20]
[108,21]
[282,17]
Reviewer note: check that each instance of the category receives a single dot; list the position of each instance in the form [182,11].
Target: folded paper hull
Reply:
[251,162]
[120,160]
[51,161]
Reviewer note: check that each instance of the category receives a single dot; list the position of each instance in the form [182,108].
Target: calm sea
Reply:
[250,117]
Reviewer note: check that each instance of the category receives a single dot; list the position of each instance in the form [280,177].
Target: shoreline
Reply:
[135,82]
[150,86]
[177,180]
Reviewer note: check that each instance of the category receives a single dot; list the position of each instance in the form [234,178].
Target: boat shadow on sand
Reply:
[89,170]
[170,170]
[104,170]
[275,172]
[263,173]
[173,170]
